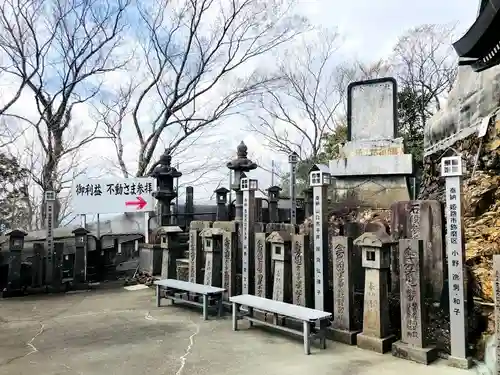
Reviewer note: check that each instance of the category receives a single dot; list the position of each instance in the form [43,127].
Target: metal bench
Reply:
[170,286]
[308,317]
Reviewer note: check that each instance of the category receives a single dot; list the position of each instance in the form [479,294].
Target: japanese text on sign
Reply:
[113,189]
[245,234]
[318,248]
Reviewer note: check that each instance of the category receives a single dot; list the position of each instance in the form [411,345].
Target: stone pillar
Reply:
[171,251]
[263,274]
[308,202]
[50,200]
[81,247]
[293,159]
[302,277]
[212,246]
[451,170]
[319,180]
[229,256]
[196,251]
[165,193]
[189,206]
[16,245]
[413,345]
[496,292]
[423,220]
[221,196]
[343,327]
[248,187]
[273,194]
[281,254]
[376,333]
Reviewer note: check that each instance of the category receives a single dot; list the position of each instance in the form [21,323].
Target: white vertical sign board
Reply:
[292,158]
[245,224]
[113,195]
[451,170]
[318,249]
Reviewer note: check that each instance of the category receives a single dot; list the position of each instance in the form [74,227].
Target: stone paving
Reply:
[121,332]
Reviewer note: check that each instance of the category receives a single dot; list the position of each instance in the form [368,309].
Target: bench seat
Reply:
[171,286]
[309,317]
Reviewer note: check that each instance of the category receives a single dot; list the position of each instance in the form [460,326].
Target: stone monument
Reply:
[196,251]
[50,201]
[221,195]
[451,170]
[273,193]
[263,274]
[413,345]
[171,251]
[343,327]
[229,256]
[376,334]
[293,159]
[302,288]
[248,187]
[212,246]
[373,166]
[319,179]
[281,254]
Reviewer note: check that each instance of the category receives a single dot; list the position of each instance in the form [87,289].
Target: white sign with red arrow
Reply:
[104,196]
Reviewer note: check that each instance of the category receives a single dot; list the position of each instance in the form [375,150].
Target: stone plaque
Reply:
[195,257]
[343,291]
[279,281]
[263,282]
[229,246]
[301,271]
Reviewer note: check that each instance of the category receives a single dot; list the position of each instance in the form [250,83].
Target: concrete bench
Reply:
[170,286]
[309,317]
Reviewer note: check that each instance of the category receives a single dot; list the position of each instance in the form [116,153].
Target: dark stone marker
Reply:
[412,345]
[302,278]
[263,275]
[343,328]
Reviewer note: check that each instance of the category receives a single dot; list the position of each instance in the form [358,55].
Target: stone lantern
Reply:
[81,249]
[165,193]
[376,250]
[171,250]
[221,196]
[240,165]
[16,245]
[273,193]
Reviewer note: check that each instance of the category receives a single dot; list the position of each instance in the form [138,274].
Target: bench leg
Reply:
[158,297]
[307,342]
[221,306]
[205,307]
[235,316]
[250,314]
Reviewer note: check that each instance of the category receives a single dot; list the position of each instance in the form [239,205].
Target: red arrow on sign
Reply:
[140,203]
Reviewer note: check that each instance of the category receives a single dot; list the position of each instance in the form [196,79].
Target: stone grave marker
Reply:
[171,251]
[303,293]
[413,345]
[196,263]
[343,327]
[212,241]
[293,159]
[248,186]
[229,258]
[281,254]
[263,275]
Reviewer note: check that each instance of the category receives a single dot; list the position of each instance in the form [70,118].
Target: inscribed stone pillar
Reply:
[171,251]
[413,345]
[376,333]
[423,220]
[343,327]
[196,251]
[212,241]
[302,278]
[263,275]
[293,159]
[281,254]
[229,252]
[248,187]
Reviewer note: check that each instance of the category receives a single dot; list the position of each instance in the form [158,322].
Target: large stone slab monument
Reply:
[196,262]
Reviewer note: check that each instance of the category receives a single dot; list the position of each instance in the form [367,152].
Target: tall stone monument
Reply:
[195,251]
[248,187]
[229,256]
[451,170]
[319,179]
[50,201]
[376,335]
[413,345]
[302,288]
[373,166]
[293,159]
[212,245]
[281,254]
[263,274]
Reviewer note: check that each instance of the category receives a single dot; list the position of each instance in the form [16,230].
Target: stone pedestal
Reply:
[263,274]
[229,256]
[169,242]
[196,251]
[343,328]
[150,259]
[212,243]
[302,278]
[280,254]
[412,345]
[376,335]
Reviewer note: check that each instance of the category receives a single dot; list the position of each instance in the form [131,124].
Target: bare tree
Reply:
[198,67]
[425,65]
[297,115]
[61,50]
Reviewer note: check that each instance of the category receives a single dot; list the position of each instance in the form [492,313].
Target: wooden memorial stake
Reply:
[196,251]
[496,291]
[343,328]
[451,170]
[212,241]
[303,291]
[413,345]
[376,333]
[319,179]
[248,187]
[293,159]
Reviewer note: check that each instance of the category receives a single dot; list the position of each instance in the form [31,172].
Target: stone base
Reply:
[340,335]
[412,353]
[463,363]
[375,344]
